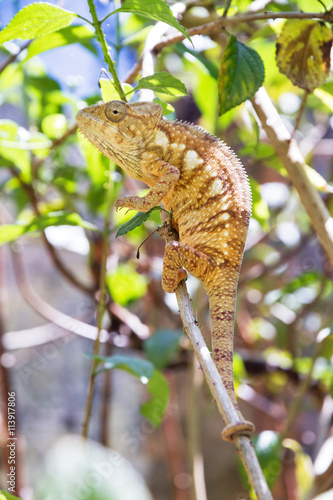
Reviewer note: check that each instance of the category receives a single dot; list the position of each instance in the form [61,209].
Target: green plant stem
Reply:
[101,302]
[101,38]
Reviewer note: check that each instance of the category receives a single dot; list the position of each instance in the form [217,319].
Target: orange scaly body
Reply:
[202,180]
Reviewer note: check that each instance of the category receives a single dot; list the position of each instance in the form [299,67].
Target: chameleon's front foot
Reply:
[130,202]
[244,428]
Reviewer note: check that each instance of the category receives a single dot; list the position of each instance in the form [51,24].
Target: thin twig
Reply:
[46,310]
[101,302]
[101,38]
[288,152]
[223,22]
[300,113]
[227,7]
[13,57]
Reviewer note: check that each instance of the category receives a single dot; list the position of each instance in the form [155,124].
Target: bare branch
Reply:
[288,152]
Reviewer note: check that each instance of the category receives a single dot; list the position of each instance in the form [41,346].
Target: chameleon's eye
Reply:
[115,111]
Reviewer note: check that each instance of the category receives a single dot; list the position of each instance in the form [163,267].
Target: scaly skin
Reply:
[202,180]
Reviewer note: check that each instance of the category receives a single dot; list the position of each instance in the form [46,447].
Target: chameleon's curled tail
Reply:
[222,303]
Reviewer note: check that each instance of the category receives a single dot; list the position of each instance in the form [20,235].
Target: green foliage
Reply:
[241,74]
[162,347]
[125,284]
[163,83]
[157,386]
[10,232]
[4,495]
[153,9]
[136,221]
[35,20]
[268,449]
[60,38]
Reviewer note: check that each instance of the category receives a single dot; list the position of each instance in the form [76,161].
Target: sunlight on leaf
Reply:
[158,10]
[36,19]
[303,52]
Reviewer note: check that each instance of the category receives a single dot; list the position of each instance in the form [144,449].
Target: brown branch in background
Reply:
[104,429]
[193,425]
[300,113]
[44,309]
[226,8]
[288,152]
[224,22]
[12,58]
[175,445]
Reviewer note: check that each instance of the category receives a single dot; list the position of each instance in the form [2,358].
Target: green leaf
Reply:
[268,446]
[162,347]
[153,9]
[126,285]
[209,65]
[136,366]
[136,221]
[60,38]
[241,74]
[157,386]
[109,92]
[4,495]
[35,20]
[10,232]
[54,125]
[155,408]
[164,83]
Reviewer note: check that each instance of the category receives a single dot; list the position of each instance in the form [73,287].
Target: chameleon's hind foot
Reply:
[244,428]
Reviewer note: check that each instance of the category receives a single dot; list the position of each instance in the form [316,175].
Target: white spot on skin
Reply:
[216,187]
[161,139]
[192,159]
[208,168]
[225,216]
[182,146]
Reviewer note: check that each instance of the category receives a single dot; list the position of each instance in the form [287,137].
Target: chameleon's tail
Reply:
[222,303]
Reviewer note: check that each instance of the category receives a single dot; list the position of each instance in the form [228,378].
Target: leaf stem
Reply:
[101,301]
[300,113]
[101,38]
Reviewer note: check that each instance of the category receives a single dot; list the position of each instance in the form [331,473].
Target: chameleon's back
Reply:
[211,205]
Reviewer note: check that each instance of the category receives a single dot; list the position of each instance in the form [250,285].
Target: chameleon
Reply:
[201,179]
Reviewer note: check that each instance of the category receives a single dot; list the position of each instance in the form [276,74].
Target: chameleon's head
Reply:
[119,129]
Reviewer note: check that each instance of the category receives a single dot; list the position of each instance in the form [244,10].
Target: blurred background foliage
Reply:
[50,274]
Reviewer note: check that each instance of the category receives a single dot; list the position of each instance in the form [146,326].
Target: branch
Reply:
[288,152]
[225,407]
[44,309]
[12,57]
[223,22]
